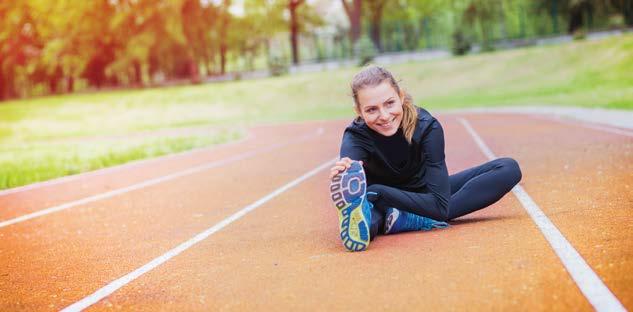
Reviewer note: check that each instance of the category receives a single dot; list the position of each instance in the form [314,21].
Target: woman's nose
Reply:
[384,114]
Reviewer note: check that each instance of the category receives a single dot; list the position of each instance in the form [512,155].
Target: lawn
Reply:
[47,137]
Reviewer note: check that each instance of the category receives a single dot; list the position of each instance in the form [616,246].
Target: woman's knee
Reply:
[511,168]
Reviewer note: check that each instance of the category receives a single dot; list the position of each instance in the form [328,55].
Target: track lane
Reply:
[18,202]
[287,253]
[49,262]
[585,187]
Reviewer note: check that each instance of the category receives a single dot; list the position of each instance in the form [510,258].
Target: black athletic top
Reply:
[391,161]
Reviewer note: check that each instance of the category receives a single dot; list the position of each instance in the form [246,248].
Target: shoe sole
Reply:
[347,191]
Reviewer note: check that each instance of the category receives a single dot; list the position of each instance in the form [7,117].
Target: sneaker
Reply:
[401,221]
[354,210]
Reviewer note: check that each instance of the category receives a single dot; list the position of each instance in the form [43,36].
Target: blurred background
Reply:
[90,84]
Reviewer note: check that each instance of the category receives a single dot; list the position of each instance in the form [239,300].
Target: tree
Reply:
[225,20]
[353,10]
[294,29]
[481,13]
[626,8]
[375,17]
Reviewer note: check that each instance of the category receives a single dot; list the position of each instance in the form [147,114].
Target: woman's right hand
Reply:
[341,165]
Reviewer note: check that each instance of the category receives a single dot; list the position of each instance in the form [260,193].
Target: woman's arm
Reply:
[436,174]
[351,150]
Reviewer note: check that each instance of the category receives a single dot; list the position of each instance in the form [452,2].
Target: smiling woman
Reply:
[392,175]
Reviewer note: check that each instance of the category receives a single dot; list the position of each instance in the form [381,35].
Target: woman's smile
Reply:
[388,124]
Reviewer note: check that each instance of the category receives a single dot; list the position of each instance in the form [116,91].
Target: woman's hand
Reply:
[341,165]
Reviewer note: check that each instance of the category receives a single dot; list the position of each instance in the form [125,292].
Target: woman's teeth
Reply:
[386,124]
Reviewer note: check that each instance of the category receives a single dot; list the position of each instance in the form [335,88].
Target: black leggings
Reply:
[471,190]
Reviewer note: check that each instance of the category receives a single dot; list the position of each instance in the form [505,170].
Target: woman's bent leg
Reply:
[481,186]
[422,204]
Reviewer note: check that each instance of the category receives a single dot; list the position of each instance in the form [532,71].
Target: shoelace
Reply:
[423,223]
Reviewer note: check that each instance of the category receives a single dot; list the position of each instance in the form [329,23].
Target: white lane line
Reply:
[126,279]
[565,119]
[598,294]
[589,125]
[154,181]
[128,165]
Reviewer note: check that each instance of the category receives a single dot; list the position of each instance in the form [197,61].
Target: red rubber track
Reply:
[286,254]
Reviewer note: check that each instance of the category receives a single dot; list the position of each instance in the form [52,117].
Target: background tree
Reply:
[375,18]
[353,9]
[626,8]
[294,29]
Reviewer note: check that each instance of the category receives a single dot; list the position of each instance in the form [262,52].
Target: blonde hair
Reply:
[373,75]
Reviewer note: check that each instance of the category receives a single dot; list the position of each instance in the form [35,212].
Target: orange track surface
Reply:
[287,254]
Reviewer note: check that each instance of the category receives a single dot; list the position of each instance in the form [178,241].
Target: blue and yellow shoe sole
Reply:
[348,194]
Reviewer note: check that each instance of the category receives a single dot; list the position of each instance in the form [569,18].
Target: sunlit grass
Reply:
[27,163]
[35,134]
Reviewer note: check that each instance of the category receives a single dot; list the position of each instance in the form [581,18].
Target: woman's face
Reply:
[381,108]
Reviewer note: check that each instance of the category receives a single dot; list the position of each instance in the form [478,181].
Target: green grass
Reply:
[47,137]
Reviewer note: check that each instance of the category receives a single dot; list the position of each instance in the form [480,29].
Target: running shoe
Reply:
[401,221]
[347,191]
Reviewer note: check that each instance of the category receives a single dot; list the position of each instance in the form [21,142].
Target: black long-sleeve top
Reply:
[418,167]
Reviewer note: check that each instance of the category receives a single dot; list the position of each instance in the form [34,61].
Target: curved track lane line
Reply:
[154,181]
[598,294]
[586,124]
[124,280]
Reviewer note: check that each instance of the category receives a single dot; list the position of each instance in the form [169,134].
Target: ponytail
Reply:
[409,116]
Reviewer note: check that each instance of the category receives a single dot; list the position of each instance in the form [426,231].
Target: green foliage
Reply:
[461,44]
[278,66]
[62,45]
[365,51]
[579,34]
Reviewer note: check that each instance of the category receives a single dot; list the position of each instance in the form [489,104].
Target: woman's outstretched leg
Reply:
[481,186]
[471,190]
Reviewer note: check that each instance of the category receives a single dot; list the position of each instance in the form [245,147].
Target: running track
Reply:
[249,226]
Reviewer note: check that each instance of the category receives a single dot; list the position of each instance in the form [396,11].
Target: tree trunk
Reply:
[353,11]
[2,86]
[294,29]
[138,74]
[554,15]
[627,11]
[224,25]
[376,18]
[575,20]
[194,73]
[70,84]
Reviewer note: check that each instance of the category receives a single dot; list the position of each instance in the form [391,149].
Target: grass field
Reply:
[48,137]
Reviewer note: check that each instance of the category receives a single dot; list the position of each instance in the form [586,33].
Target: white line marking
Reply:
[126,279]
[154,181]
[128,165]
[600,297]
[587,124]
[566,119]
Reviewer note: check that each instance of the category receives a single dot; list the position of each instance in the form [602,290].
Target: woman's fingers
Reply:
[334,172]
[342,165]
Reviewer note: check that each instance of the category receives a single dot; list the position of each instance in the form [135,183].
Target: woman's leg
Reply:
[471,190]
[377,223]
[481,186]
[422,204]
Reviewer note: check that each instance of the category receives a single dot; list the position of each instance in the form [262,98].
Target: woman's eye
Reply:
[371,110]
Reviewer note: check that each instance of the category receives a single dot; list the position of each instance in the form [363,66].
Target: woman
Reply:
[392,176]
